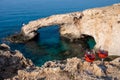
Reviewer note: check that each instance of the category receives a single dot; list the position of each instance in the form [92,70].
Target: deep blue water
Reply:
[13,13]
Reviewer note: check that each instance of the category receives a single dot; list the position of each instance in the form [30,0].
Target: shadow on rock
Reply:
[11,62]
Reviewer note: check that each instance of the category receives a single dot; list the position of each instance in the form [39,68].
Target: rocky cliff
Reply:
[14,66]
[103,24]
[11,62]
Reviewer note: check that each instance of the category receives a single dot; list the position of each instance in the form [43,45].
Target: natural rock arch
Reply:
[101,23]
[90,41]
[62,20]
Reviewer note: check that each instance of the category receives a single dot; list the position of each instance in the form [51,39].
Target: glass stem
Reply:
[102,60]
[88,66]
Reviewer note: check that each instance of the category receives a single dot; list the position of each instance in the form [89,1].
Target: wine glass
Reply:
[89,56]
[102,54]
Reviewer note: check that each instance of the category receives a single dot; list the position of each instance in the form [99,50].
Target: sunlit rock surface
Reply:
[14,66]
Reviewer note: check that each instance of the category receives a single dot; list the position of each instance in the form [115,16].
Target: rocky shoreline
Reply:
[14,66]
[103,24]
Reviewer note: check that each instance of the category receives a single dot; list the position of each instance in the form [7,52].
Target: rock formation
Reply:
[103,24]
[11,62]
[14,66]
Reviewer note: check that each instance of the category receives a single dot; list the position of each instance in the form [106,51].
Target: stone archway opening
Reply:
[89,40]
[49,35]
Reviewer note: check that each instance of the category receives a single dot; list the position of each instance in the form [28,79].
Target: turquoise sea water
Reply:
[13,13]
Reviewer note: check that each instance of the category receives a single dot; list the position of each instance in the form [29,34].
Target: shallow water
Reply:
[49,46]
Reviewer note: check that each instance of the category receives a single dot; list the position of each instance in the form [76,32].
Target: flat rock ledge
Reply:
[14,66]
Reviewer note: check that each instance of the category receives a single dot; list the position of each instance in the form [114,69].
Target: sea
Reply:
[48,46]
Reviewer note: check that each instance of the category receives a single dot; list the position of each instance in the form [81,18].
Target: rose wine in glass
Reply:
[102,54]
[89,56]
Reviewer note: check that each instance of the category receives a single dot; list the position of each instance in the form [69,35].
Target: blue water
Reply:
[13,13]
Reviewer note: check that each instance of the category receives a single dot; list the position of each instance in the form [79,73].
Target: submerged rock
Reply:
[14,66]
[18,38]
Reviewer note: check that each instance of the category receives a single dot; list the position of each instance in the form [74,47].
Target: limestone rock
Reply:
[117,60]
[14,66]
[74,69]
[5,46]
[11,61]
[72,65]
[98,70]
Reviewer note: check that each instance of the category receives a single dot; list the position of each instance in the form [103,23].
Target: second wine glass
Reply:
[102,54]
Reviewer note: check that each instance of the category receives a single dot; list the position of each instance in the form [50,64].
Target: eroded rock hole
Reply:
[89,41]
[49,35]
